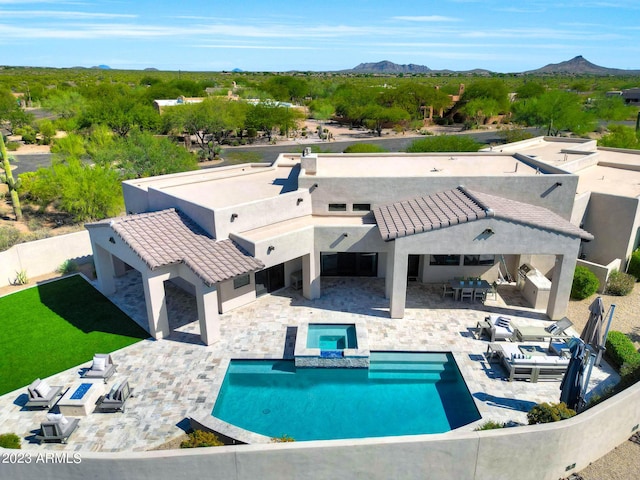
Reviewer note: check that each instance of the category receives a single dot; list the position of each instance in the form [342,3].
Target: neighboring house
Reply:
[631,96]
[181,100]
[231,234]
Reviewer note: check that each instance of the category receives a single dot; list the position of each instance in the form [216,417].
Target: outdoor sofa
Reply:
[41,394]
[531,361]
[57,427]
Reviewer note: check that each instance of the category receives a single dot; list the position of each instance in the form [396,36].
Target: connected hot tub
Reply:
[332,345]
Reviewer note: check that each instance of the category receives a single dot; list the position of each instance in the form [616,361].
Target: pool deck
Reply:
[178,378]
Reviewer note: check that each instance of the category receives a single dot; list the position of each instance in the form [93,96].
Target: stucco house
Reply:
[231,234]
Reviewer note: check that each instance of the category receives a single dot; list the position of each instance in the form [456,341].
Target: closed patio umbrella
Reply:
[572,382]
[592,334]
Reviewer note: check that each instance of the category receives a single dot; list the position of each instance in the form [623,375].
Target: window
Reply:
[361,207]
[337,207]
[479,260]
[445,260]
[241,281]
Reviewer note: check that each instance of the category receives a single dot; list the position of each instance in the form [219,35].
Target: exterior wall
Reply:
[536,452]
[231,298]
[613,221]
[601,271]
[580,206]
[205,217]
[536,190]
[44,256]
[360,238]
[444,273]
[264,212]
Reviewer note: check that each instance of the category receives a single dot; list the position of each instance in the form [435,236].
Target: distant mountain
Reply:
[103,67]
[579,66]
[151,69]
[389,67]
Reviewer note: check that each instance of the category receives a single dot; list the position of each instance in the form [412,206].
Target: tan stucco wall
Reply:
[44,256]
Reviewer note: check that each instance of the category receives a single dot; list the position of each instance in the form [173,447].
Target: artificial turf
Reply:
[56,326]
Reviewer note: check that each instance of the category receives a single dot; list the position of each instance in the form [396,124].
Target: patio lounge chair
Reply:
[116,398]
[497,327]
[102,367]
[530,361]
[538,333]
[57,428]
[41,394]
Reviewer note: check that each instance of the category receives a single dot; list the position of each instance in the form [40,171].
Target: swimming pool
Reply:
[400,394]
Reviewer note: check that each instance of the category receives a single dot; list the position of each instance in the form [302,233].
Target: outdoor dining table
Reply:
[477,285]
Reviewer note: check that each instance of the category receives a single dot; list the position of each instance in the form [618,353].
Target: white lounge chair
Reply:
[102,367]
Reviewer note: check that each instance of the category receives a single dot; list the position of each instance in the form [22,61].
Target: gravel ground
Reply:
[622,463]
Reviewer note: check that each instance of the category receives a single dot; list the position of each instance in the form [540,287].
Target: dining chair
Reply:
[466,293]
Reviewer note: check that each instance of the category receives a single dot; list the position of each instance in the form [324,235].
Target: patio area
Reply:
[176,378]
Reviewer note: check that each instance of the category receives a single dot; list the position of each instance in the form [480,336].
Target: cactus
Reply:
[7,177]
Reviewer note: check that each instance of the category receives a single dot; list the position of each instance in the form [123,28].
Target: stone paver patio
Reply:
[176,378]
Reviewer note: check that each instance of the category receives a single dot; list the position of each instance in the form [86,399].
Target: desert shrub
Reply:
[620,283]
[364,148]
[549,412]
[12,146]
[511,135]
[585,283]
[10,440]
[68,266]
[634,265]
[283,439]
[444,143]
[621,350]
[200,438]
[490,425]
[9,236]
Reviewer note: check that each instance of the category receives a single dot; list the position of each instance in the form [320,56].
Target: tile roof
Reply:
[169,236]
[451,207]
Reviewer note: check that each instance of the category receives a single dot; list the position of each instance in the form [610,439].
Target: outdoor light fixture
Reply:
[112,240]
[270,249]
[345,234]
[234,216]
[488,231]
[558,184]
[313,187]
[300,200]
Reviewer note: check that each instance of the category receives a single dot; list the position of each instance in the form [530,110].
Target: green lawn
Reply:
[55,326]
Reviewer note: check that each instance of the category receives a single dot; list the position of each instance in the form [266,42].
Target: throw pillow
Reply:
[99,364]
[503,322]
[43,389]
[55,417]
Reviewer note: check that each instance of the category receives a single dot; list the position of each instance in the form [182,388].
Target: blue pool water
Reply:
[331,337]
[400,394]
[80,391]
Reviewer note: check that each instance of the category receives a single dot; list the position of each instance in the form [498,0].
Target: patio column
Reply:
[561,286]
[105,271]
[311,276]
[207,299]
[154,296]
[398,274]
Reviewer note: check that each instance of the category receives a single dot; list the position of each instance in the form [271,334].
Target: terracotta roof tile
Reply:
[450,207]
[169,236]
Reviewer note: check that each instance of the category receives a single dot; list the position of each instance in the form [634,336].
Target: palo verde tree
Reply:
[7,177]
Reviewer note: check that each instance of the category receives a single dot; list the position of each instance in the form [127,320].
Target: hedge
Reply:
[585,283]
[621,350]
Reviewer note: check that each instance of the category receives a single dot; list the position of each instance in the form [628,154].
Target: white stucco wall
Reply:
[537,452]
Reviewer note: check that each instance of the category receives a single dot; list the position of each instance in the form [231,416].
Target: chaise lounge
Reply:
[116,398]
[41,394]
[102,367]
[57,428]
[526,333]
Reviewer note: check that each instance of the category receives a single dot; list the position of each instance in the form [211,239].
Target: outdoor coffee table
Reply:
[80,399]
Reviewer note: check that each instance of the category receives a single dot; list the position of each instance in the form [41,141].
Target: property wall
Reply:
[536,452]
[535,189]
[613,221]
[601,271]
[44,256]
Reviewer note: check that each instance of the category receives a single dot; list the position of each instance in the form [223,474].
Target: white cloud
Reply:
[58,14]
[427,18]
[258,47]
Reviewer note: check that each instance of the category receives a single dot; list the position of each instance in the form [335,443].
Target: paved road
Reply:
[31,162]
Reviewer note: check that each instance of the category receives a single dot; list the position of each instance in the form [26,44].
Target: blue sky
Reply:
[274,35]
